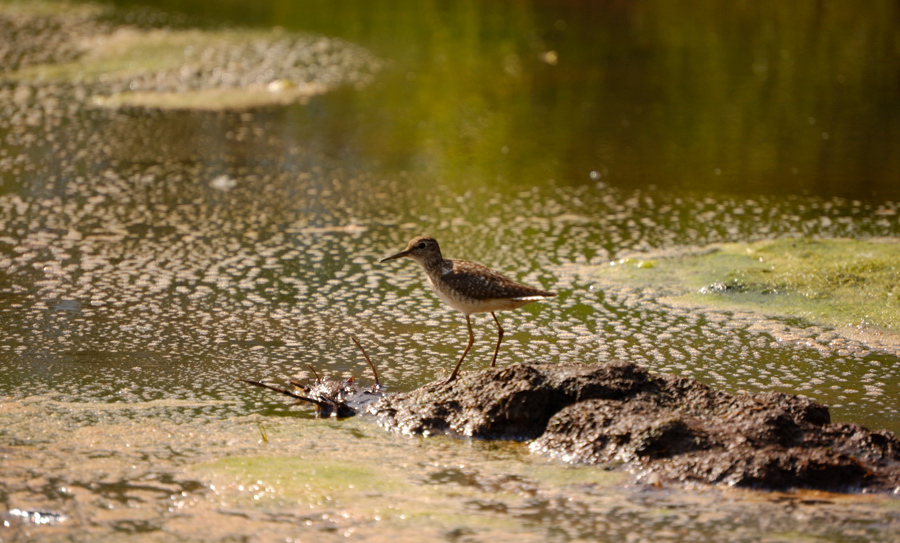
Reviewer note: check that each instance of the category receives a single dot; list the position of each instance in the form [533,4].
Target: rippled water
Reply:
[146,270]
[147,258]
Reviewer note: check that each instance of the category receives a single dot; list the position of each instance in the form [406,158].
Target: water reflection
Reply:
[754,98]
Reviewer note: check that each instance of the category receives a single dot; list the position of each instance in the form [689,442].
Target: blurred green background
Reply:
[744,97]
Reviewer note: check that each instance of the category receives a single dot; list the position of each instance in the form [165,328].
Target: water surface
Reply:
[147,256]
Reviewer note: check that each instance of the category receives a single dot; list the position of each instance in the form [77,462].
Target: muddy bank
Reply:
[666,429]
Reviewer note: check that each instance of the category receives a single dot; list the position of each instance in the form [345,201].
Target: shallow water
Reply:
[148,257]
[162,471]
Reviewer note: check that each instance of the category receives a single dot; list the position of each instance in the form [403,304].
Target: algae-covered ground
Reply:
[851,285]
[163,471]
[179,68]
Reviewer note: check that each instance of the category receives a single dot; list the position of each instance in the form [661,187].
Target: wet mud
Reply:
[666,429]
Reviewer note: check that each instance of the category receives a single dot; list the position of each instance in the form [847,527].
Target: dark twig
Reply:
[286,392]
[369,360]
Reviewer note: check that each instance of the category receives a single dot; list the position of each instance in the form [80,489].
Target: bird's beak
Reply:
[401,254]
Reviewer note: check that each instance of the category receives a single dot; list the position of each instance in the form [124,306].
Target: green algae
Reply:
[125,53]
[52,7]
[309,480]
[130,52]
[197,69]
[363,480]
[212,99]
[842,283]
[192,478]
[353,474]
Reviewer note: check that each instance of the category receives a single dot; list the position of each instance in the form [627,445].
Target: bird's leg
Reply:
[468,346]
[499,339]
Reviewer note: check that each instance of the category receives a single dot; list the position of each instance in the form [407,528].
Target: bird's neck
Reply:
[433,263]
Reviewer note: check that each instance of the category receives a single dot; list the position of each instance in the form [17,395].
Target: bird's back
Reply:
[473,288]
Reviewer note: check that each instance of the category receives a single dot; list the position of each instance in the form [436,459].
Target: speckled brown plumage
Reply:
[482,283]
[469,287]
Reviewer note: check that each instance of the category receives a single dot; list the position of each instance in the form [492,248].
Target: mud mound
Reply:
[668,429]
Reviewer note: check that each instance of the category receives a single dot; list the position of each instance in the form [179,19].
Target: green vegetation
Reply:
[309,479]
[371,475]
[836,282]
[208,69]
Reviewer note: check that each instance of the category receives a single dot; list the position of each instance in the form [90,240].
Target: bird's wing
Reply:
[482,283]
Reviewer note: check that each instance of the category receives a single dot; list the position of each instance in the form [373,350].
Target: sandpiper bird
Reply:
[469,287]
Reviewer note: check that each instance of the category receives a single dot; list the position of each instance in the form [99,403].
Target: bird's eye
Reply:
[421,245]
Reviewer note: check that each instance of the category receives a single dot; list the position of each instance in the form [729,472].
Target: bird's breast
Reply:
[452,297]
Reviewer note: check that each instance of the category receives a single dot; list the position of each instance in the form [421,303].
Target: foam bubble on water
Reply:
[265,277]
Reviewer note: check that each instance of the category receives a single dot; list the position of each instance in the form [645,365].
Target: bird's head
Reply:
[422,249]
